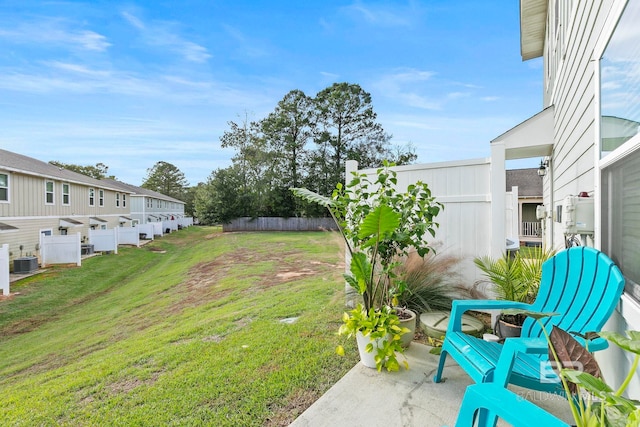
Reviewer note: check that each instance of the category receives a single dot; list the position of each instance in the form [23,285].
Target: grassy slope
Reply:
[187,337]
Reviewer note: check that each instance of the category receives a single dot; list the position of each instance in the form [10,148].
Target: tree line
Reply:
[304,142]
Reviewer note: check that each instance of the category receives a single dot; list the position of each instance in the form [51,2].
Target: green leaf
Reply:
[630,343]
[340,350]
[311,196]
[379,222]
[593,385]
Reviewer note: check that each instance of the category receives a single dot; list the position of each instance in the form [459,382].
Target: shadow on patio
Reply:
[365,397]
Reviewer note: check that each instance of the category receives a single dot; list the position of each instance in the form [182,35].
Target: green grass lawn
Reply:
[183,331]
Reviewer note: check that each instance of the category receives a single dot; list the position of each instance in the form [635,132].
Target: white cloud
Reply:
[404,86]
[165,35]
[50,31]
[383,15]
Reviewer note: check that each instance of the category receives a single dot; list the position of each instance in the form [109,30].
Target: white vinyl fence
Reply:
[157,228]
[104,240]
[128,236]
[60,249]
[185,222]
[4,269]
[464,188]
[146,229]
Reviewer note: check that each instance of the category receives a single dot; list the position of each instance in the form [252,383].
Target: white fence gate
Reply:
[104,240]
[4,269]
[60,249]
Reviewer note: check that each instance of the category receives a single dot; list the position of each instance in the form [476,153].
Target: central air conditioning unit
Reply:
[25,265]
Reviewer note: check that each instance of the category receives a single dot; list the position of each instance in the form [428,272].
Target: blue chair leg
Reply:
[443,358]
[487,402]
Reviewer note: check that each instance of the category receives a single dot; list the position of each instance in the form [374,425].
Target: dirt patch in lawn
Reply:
[203,282]
[285,413]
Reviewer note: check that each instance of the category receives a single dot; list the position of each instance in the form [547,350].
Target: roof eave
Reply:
[533,22]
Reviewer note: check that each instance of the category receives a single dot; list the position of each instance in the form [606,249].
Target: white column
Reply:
[4,269]
[498,199]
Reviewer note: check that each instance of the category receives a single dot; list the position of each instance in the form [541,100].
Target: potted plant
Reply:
[514,278]
[592,401]
[380,226]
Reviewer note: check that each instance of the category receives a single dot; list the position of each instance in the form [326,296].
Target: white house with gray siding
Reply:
[586,136]
[39,198]
[150,206]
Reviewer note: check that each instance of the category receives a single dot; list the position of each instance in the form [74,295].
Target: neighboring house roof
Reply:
[527,180]
[139,191]
[533,26]
[29,166]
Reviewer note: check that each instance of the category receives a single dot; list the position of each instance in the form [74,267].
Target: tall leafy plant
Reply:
[380,226]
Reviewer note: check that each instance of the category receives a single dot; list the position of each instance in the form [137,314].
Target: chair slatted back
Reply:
[583,285]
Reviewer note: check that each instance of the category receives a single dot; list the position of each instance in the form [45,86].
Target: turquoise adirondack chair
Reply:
[582,284]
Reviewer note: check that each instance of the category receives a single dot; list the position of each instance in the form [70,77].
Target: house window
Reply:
[621,218]
[117,200]
[92,199]
[101,198]
[619,86]
[66,194]
[620,171]
[4,187]
[124,200]
[48,192]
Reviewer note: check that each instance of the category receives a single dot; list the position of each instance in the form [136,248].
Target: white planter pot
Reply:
[368,359]
[410,323]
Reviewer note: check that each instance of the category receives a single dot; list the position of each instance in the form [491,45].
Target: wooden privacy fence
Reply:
[280,224]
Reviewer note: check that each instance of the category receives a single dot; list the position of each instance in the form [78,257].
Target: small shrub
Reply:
[432,282]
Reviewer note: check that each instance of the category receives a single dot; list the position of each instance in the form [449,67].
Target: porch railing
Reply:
[531,229]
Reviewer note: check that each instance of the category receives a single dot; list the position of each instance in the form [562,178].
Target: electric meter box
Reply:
[577,215]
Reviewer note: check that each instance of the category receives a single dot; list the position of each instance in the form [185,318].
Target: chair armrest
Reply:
[595,344]
[509,354]
[459,307]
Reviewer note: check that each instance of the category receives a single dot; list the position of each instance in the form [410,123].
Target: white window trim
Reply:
[101,198]
[627,307]
[92,196]
[68,194]
[53,192]
[8,187]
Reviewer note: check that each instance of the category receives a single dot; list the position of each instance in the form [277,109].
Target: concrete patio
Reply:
[365,397]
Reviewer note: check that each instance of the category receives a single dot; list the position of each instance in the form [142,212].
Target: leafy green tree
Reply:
[99,171]
[167,179]
[222,197]
[287,132]
[347,129]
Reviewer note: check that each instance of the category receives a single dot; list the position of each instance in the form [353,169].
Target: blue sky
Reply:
[132,83]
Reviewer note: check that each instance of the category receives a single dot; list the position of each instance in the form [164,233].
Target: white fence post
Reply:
[79,251]
[4,269]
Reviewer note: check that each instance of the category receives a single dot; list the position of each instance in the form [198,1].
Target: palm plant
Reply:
[515,278]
